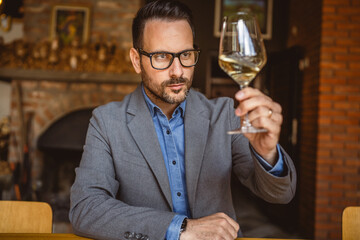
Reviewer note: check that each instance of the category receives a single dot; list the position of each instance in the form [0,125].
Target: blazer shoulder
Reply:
[114,109]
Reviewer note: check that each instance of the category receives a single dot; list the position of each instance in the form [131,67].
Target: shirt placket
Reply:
[173,164]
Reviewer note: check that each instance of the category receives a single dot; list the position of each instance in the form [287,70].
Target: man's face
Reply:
[170,85]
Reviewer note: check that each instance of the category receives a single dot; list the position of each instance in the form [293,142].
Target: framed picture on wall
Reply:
[262,9]
[70,23]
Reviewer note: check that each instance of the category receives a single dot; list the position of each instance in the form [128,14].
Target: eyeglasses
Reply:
[163,60]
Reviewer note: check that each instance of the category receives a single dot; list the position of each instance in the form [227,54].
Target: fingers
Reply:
[227,222]
[251,98]
[265,112]
[262,111]
[216,226]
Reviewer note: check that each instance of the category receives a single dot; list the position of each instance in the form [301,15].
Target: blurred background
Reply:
[59,59]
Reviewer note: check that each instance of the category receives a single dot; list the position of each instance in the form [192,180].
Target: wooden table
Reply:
[40,236]
[68,236]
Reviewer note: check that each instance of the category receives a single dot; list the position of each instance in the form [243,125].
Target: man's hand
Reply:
[214,227]
[263,113]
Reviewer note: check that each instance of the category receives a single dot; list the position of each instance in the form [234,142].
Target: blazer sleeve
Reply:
[95,211]
[252,174]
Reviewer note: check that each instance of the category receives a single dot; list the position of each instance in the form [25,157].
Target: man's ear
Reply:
[135,60]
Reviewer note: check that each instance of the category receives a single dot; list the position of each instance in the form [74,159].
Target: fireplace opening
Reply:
[62,145]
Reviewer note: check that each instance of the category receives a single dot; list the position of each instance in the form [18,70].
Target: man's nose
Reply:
[176,69]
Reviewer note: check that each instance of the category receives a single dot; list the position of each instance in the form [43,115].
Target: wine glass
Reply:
[242,55]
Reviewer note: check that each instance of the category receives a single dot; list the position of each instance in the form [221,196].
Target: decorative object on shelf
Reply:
[70,23]
[53,55]
[5,22]
[4,137]
[6,176]
[262,9]
[10,10]
[101,56]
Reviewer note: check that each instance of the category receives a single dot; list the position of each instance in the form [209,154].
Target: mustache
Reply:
[174,81]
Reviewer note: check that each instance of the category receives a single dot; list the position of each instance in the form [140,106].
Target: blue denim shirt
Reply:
[171,138]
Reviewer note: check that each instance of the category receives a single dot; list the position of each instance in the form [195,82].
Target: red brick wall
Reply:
[329,31]
[338,153]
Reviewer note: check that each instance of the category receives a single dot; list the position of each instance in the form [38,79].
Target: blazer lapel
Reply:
[196,132]
[143,131]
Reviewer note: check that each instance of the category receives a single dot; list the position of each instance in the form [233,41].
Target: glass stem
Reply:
[245,122]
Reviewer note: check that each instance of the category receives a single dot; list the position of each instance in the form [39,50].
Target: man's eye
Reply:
[186,55]
[160,56]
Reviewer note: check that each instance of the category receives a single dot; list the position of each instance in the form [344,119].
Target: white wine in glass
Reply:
[242,55]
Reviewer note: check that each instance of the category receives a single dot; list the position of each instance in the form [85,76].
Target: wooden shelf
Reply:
[62,76]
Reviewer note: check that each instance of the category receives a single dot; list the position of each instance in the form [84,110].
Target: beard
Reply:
[159,91]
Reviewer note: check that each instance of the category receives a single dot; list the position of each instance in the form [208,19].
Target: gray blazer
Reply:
[122,187]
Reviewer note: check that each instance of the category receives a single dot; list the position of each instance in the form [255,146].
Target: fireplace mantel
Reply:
[62,76]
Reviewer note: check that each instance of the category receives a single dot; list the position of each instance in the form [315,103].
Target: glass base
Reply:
[247,129]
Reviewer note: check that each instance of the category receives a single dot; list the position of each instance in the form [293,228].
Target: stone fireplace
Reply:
[52,116]
[61,153]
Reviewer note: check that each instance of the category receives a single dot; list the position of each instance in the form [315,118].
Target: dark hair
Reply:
[160,9]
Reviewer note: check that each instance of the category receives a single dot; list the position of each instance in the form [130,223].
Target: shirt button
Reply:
[179,194]
[168,132]
[174,162]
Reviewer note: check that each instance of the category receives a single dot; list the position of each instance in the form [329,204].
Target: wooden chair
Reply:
[351,223]
[25,217]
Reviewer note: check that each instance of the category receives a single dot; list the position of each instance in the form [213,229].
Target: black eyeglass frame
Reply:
[174,55]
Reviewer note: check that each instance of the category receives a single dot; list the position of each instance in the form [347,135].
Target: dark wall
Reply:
[203,11]
[12,8]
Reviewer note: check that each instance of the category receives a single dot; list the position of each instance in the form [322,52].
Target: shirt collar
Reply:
[153,106]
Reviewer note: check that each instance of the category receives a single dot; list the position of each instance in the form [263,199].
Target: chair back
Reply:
[351,223]
[25,217]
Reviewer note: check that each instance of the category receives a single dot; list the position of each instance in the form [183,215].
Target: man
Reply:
[158,164]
